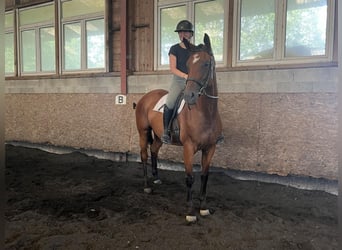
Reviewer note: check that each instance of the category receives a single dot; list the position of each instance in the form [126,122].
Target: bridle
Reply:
[203,83]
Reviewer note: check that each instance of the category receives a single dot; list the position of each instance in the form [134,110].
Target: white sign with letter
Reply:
[120,100]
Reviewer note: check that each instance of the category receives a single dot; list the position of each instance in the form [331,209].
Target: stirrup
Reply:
[166,139]
[220,139]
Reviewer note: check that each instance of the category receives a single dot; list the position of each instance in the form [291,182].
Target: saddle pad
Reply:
[159,107]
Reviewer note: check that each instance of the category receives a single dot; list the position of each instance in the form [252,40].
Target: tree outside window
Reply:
[207,17]
[264,37]
[83,35]
[37,39]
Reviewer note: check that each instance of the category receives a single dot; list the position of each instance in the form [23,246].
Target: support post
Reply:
[123,46]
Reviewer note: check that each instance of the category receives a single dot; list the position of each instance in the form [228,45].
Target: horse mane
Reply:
[200,48]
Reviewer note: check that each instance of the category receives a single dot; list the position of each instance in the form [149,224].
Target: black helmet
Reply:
[184,25]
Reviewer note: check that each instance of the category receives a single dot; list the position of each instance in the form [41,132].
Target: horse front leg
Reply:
[189,181]
[204,211]
[190,217]
[206,160]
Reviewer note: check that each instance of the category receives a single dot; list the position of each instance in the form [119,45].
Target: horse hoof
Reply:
[148,190]
[205,212]
[191,218]
[157,181]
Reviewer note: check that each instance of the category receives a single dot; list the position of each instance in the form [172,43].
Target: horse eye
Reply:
[206,64]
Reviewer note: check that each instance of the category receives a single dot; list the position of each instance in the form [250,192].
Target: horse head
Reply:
[201,67]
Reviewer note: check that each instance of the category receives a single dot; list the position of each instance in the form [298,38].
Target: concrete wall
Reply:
[275,121]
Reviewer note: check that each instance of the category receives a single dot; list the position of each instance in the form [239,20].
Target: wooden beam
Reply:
[123,46]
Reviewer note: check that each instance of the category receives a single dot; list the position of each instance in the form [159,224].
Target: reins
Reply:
[204,84]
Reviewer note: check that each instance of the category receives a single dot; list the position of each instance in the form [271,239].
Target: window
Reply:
[31,42]
[257,29]
[83,35]
[169,17]
[283,31]
[263,32]
[9,44]
[207,17]
[306,25]
[37,40]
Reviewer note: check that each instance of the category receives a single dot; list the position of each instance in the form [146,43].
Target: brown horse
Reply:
[199,123]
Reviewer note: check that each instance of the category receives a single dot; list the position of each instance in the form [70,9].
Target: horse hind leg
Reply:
[143,141]
[154,159]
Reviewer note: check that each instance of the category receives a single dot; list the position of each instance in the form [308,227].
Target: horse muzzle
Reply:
[190,97]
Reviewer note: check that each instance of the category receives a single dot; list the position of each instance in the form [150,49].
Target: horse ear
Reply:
[186,43]
[206,41]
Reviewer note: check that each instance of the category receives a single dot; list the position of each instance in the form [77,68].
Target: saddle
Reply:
[174,124]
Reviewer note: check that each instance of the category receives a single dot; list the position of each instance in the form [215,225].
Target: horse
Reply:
[199,123]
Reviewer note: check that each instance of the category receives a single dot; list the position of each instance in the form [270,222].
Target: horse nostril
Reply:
[190,97]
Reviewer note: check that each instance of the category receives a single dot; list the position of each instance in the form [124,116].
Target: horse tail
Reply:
[149,136]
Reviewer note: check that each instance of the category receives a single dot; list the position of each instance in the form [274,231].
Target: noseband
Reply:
[203,83]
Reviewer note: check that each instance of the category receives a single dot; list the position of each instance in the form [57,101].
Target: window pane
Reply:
[169,17]
[72,46]
[306,24]
[9,20]
[257,29]
[28,48]
[9,53]
[209,18]
[82,7]
[47,49]
[95,44]
[37,15]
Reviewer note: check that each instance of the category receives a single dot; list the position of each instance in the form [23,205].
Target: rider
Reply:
[178,56]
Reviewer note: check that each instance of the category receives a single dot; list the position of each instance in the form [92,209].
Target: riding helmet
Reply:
[184,25]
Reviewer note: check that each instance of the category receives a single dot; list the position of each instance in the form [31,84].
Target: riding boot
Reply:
[166,120]
[220,139]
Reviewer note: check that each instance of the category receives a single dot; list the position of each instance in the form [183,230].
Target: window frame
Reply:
[157,37]
[231,38]
[36,27]
[55,23]
[82,20]
[38,70]
[190,5]
[11,30]
[279,58]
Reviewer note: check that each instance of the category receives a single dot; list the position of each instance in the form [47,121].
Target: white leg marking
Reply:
[196,58]
[204,212]
[190,218]
[158,181]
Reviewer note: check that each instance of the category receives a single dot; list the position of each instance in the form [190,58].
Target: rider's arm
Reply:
[173,67]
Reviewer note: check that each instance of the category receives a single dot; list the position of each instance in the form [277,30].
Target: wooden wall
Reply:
[139,35]
[114,36]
